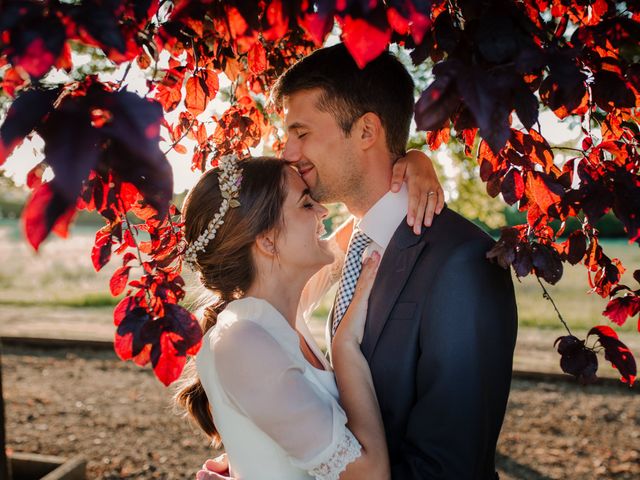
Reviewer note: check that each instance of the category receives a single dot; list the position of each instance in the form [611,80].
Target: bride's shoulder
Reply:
[242,322]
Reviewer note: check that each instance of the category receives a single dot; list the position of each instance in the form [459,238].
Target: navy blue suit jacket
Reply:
[440,334]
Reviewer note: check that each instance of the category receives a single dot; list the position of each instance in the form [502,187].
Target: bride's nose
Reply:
[322,210]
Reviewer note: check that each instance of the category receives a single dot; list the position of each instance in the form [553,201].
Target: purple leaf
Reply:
[24,115]
[576,359]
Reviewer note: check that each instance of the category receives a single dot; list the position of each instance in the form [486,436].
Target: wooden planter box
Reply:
[30,466]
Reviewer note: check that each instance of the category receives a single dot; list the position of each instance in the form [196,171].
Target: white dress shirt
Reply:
[379,223]
[383,218]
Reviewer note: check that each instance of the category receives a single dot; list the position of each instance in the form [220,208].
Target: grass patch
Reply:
[61,275]
[95,300]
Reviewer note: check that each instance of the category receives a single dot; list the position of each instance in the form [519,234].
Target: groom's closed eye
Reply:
[305,193]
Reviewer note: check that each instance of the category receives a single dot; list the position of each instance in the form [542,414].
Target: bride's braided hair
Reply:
[225,266]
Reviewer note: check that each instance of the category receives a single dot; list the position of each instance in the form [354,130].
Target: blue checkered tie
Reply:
[350,273]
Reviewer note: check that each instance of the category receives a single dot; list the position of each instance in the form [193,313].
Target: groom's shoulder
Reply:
[456,243]
[450,230]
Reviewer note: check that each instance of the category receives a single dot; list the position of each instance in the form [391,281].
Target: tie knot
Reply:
[359,239]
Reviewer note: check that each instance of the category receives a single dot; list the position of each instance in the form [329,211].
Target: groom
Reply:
[441,323]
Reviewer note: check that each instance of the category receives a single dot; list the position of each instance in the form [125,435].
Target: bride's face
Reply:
[298,242]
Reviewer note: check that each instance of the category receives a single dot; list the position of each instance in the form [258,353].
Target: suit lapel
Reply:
[393,273]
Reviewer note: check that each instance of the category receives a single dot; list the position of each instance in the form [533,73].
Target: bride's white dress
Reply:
[278,416]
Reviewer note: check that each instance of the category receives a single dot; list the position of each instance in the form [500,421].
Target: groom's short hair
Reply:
[383,87]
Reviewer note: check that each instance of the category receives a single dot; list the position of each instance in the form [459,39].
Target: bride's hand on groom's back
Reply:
[426,196]
[215,469]
[351,328]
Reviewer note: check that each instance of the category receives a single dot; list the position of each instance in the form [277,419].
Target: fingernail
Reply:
[394,187]
[410,221]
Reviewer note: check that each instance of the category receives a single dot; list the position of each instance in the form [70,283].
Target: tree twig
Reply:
[184,134]
[546,295]
[126,72]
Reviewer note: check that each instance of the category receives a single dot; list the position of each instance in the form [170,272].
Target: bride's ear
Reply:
[266,244]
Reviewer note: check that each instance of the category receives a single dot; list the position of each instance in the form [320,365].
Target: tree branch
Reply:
[546,295]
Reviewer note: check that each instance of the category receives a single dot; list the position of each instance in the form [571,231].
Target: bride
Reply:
[262,386]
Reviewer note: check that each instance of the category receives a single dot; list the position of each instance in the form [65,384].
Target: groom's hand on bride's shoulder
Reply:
[215,469]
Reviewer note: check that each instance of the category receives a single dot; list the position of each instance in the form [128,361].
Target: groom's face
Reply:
[326,158]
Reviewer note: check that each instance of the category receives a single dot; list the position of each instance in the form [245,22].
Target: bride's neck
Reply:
[280,290]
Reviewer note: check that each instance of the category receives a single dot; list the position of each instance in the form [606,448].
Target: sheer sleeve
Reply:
[321,282]
[263,383]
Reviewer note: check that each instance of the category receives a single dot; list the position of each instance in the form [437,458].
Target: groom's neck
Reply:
[373,185]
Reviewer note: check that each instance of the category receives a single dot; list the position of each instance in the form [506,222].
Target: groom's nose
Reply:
[291,150]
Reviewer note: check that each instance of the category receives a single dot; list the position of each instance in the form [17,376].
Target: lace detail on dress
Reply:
[346,452]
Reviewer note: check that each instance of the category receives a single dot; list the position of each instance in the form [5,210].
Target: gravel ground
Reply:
[120,419]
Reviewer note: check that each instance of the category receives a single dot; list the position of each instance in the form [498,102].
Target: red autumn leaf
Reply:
[201,88]
[62,224]
[34,177]
[398,22]
[130,341]
[166,340]
[539,150]
[364,41]
[540,191]
[608,275]
[436,138]
[278,21]
[196,99]
[512,186]
[317,25]
[143,61]
[168,97]
[616,352]
[257,59]
[181,149]
[237,24]
[123,308]
[45,211]
[101,251]
[12,81]
[168,365]
[119,280]
[619,309]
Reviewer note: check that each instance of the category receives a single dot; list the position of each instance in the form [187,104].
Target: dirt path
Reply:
[119,417]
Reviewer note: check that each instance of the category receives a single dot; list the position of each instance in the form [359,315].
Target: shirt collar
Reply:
[382,219]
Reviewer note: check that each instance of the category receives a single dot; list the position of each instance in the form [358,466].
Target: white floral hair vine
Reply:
[229,179]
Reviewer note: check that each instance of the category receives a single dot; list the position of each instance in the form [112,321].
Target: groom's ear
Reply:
[266,245]
[369,129]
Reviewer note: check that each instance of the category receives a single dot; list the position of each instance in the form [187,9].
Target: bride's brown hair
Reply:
[225,266]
